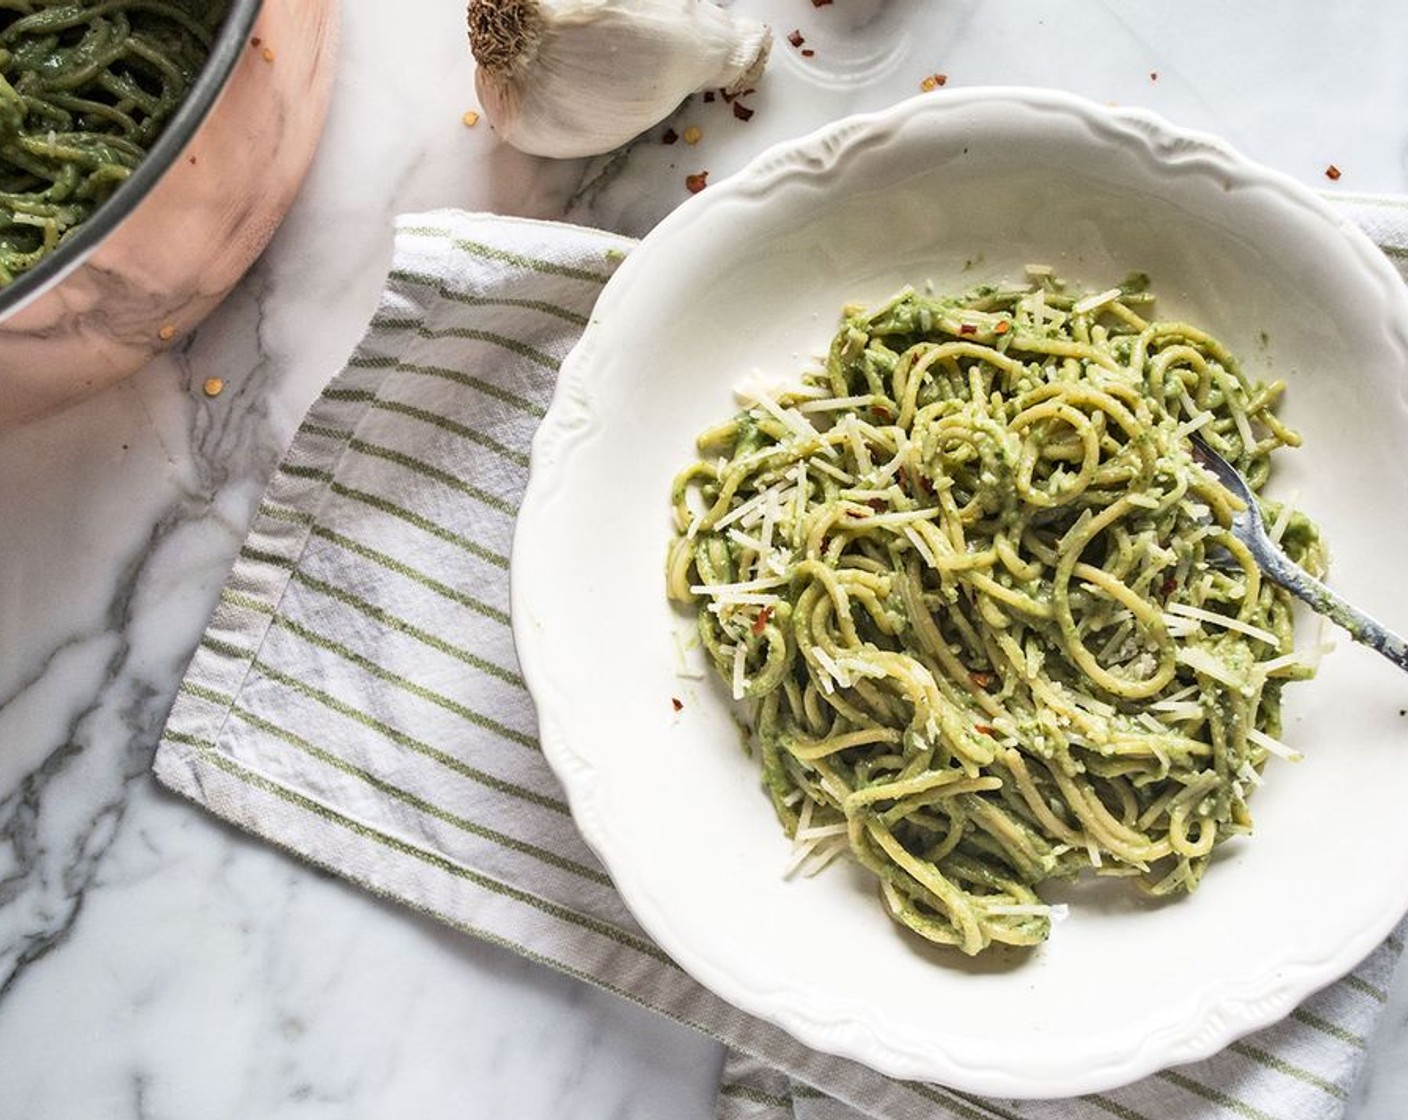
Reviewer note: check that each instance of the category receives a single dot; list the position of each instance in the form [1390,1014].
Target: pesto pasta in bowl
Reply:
[889,641]
[986,611]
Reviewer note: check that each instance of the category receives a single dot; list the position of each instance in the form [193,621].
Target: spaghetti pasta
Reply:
[86,87]
[985,611]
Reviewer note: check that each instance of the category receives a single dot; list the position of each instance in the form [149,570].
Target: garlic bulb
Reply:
[572,78]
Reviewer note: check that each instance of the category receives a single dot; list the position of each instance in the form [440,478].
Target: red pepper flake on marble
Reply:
[709,95]
[933,81]
[760,623]
[696,182]
[1332,172]
[742,112]
[1153,75]
[677,703]
[670,137]
[796,38]
[807,52]
[820,3]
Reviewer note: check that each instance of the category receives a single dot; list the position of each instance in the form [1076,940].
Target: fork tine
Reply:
[1225,471]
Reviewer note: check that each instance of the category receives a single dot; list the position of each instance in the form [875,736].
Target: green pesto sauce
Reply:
[86,88]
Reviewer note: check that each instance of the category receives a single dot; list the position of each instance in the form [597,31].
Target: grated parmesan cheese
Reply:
[746,509]
[1273,746]
[744,600]
[728,590]
[1188,611]
[836,404]
[1095,302]
[1193,423]
[921,547]
[1201,661]
[828,669]
[1244,429]
[789,418]
[1247,772]
[1179,709]
[1283,518]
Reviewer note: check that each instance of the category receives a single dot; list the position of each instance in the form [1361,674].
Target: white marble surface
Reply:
[156,964]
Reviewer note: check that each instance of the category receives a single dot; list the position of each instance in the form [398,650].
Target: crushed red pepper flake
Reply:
[677,703]
[742,112]
[1332,172]
[1153,75]
[255,41]
[761,622]
[967,328]
[820,3]
[709,95]
[985,729]
[670,136]
[933,81]
[696,182]
[796,38]
[1002,326]
[982,678]
[807,52]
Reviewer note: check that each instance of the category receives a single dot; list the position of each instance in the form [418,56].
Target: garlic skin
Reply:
[570,78]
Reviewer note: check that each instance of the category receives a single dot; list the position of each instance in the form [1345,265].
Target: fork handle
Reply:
[1322,600]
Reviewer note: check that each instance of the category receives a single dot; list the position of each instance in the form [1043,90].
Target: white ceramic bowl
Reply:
[960,188]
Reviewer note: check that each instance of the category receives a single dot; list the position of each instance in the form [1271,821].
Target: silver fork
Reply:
[1249,528]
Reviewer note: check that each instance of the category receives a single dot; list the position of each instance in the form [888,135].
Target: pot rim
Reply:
[185,122]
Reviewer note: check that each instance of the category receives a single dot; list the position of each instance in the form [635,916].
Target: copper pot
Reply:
[176,237]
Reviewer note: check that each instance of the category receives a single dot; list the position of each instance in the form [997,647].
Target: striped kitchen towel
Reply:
[355,698]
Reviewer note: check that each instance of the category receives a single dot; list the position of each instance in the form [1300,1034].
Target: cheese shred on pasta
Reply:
[1007,633]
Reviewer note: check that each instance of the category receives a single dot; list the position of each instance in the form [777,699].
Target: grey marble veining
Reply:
[154,963]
